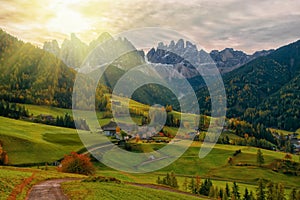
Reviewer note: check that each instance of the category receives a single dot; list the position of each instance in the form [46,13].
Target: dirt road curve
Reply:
[48,190]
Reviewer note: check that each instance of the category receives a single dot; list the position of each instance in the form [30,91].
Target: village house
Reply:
[110,129]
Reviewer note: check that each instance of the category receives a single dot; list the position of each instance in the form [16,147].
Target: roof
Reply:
[110,126]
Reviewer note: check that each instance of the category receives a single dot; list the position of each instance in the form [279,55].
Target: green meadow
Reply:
[107,191]
[29,143]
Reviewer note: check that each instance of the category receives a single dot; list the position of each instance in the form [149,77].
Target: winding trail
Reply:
[48,190]
[51,190]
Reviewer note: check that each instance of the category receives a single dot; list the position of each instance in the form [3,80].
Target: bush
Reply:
[101,179]
[237,152]
[77,163]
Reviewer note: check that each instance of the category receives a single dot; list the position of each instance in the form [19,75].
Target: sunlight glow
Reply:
[66,19]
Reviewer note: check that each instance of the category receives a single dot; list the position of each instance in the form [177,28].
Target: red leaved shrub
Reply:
[77,163]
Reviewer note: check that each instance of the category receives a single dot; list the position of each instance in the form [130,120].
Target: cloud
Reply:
[248,26]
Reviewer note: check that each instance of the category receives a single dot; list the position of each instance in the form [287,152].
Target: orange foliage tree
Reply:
[77,163]
[3,155]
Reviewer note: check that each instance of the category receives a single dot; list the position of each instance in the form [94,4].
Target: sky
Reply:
[242,25]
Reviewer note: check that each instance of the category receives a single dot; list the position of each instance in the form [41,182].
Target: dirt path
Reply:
[51,190]
[48,190]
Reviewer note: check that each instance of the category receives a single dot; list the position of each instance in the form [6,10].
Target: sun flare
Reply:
[66,19]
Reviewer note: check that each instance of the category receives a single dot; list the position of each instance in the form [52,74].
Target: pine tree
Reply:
[252,196]
[235,191]
[191,186]
[270,193]
[205,187]
[158,181]
[173,181]
[246,195]
[220,195]
[260,191]
[168,179]
[260,158]
[227,190]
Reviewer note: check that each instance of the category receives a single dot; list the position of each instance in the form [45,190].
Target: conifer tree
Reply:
[260,191]
[235,191]
[260,158]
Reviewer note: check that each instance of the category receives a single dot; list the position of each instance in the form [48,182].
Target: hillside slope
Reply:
[264,90]
[32,75]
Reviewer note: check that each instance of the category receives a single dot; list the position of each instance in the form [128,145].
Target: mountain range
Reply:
[225,60]
[73,52]
[263,88]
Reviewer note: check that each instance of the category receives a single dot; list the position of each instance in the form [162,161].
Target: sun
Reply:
[67,20]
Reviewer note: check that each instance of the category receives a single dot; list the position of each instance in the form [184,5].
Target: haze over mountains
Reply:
[262,88]
[74,51]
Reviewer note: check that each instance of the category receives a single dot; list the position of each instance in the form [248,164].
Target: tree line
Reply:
[265,190]
[15,111]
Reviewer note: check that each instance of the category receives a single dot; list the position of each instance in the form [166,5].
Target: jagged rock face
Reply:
[163,56]
[177,54]
[73,52]
[52,47]
[229,59]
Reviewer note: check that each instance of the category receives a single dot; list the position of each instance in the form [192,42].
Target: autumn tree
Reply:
[230,160]
[288,157]
[77,163]
[3,155]
[198,183]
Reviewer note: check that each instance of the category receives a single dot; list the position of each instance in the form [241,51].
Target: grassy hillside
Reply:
[46,110]
[34,143]
[107,191]
[29,74]
[265,90]
[216,167]
[28,142]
